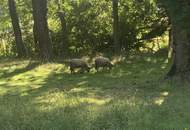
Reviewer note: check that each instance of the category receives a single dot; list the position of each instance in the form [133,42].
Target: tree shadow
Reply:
[118,113]
[30,66]
[126,76]
[119,99]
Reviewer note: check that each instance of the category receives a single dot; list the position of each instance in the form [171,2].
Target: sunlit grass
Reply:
[131,96]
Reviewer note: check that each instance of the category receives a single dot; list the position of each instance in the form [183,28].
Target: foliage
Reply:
[89,25]
[137,18]
[178,11]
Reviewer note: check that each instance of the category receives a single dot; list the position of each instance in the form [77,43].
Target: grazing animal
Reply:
[78,63]
[103,62]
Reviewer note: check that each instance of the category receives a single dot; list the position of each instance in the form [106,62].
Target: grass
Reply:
[131,96]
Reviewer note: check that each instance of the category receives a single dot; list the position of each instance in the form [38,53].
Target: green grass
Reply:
[131,96]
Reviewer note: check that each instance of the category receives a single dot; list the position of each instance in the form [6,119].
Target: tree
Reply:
[61,16]
[178,11]
[41,31]
[85,27]
[115,25]
[16,27]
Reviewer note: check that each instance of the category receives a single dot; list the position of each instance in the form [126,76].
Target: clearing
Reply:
[131,96]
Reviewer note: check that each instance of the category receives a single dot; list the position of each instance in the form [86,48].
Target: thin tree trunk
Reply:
[21,50]
[170,46]
[36,41]
[64,33]
[64,29]
[41,31]
[172,54]
[115,25]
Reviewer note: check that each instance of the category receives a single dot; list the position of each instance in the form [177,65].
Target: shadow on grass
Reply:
[127,97]
[30,66]
[135,74]
[136,71]
[63,110]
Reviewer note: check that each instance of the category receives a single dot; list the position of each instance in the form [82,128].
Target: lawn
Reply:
[132,95]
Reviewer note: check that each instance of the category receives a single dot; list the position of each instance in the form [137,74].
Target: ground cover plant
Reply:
[131,96]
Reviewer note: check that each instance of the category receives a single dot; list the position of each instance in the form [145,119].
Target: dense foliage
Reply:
[88,25]
[178,11]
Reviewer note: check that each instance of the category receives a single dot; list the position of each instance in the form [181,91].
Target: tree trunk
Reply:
[170,45]
[36,43]
[64,33]
[64,30]
[41,31]
[178,12]
[21,50]
[115,25]
[181,52]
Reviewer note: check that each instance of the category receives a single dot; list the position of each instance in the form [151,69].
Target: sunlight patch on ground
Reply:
[57,99]
[24,94]
[27,80]
[48,95]
[94,101]
[165,93]
[12,64]
[77,90]
[2,91]
[160,100]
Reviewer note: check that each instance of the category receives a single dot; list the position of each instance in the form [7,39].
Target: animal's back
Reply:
[101,60]
[76,62]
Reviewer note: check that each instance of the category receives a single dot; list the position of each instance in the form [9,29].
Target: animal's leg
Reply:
[72,70]
[96,67]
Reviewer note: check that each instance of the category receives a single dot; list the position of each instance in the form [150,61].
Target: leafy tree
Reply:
[85,27]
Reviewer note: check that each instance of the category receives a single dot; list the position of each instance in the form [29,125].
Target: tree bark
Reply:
[41,31]
[115,25]
[181,52]
[36,43]
[171,50]
[170,41]
[178,12]
[21,50]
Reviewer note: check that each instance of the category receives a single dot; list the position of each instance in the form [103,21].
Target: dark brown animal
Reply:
[78,64]
[102,62]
